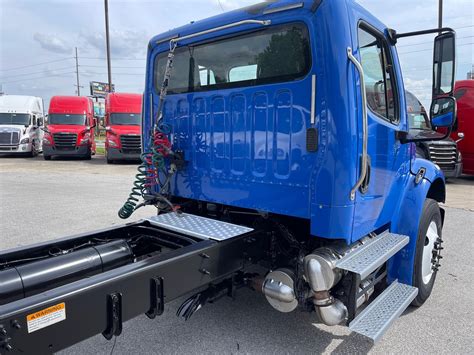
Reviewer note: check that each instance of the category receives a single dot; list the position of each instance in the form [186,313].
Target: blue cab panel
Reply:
[246,146]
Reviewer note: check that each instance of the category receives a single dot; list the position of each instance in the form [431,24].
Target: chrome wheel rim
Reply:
[428,249]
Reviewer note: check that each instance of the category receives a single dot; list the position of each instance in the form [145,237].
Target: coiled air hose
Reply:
[153,164]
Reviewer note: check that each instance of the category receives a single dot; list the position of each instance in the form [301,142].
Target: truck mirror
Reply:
[40,121]
[443,112]
[444,64]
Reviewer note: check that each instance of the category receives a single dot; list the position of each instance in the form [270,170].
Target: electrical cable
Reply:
[33,65]
[153,164]
[35,73]
[40,77]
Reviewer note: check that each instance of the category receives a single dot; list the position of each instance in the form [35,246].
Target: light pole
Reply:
[107,40]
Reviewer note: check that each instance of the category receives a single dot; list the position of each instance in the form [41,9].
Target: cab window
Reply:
[378,74]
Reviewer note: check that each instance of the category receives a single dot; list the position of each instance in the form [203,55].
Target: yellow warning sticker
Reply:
[46,317]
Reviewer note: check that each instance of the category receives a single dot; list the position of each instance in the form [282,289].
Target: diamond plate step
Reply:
[375,320]
[369,256]
[197,226]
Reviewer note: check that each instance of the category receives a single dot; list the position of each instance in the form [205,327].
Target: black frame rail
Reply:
[101,303]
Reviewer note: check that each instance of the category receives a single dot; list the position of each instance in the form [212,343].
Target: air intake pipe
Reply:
[35,277]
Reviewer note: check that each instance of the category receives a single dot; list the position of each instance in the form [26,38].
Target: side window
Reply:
[246,72]
[378,74]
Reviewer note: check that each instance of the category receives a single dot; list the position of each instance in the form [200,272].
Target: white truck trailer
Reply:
[21,120]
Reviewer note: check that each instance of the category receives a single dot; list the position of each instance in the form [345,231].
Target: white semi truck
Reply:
[21,120]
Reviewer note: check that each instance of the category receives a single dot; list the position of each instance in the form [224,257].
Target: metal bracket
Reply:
[4,339]
[114,315]
[365,137]
[157,298]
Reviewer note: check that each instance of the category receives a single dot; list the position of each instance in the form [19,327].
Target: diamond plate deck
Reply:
[197,226]
[369,256]
[375,320]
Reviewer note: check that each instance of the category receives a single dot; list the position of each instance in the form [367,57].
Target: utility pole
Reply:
[77,76]
[440,14]
[107,40]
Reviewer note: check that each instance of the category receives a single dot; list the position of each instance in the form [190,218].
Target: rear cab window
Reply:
[276,54]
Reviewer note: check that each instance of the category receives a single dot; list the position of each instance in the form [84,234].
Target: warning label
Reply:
[46,317]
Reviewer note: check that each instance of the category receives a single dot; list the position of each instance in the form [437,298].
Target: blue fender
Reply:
[407,220]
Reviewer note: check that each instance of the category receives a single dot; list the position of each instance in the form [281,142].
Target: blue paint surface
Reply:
[246,146]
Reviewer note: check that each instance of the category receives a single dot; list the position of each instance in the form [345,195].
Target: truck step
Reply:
[371,255]
[197,226]
[375,320]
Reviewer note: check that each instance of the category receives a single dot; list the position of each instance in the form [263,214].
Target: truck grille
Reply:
[444,155]
[65,141]
[9,138]
[131,143]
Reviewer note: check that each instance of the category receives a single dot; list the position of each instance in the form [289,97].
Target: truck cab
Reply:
[463,130]
[278,155]
[443,153]
[123,126]
[70,128]
[21,121]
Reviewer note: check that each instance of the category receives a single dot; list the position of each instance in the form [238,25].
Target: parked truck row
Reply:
[67,130]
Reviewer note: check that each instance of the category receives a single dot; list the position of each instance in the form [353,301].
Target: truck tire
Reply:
[88,155]
[33,152]
[427,251]
[47,157]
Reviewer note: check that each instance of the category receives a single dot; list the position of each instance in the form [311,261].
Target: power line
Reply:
[101,58]
[32,65]
[101,66]
[420,43]
[34,73]
[40,77]
[430,49]
[92,73]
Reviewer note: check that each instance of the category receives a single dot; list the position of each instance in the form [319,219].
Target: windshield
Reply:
[132,119]
[15,118]
[277,54]
[54,118]
[417,117]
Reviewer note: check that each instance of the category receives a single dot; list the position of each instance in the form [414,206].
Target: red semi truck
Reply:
[463,130]
[123,131]
[70,128]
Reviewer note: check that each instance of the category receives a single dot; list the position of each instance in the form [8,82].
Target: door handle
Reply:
[365,135]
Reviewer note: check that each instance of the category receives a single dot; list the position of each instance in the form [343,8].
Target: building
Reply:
[470,74]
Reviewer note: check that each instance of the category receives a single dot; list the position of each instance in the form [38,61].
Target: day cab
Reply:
[123,126]
[444,152]
[463,130]
[280,160]
[21,120]
[70,128]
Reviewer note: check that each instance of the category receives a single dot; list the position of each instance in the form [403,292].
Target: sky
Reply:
[38,39]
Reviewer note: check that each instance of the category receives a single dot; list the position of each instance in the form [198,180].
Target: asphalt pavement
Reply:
[42,200]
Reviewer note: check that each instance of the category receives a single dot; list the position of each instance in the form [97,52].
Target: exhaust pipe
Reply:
[322,276]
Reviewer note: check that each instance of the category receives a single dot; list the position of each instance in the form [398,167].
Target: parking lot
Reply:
[42,200]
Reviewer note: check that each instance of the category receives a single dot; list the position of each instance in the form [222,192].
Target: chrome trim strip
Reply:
[313,99]
[234,24]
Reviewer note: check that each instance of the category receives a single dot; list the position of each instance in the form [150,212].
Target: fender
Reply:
[406,221]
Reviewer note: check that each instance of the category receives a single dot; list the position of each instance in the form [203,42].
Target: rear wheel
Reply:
[47,157]
[428,248]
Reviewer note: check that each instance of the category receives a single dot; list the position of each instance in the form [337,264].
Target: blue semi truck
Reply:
[276,150]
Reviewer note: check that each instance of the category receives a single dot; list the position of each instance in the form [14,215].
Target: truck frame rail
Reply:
[58,318]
